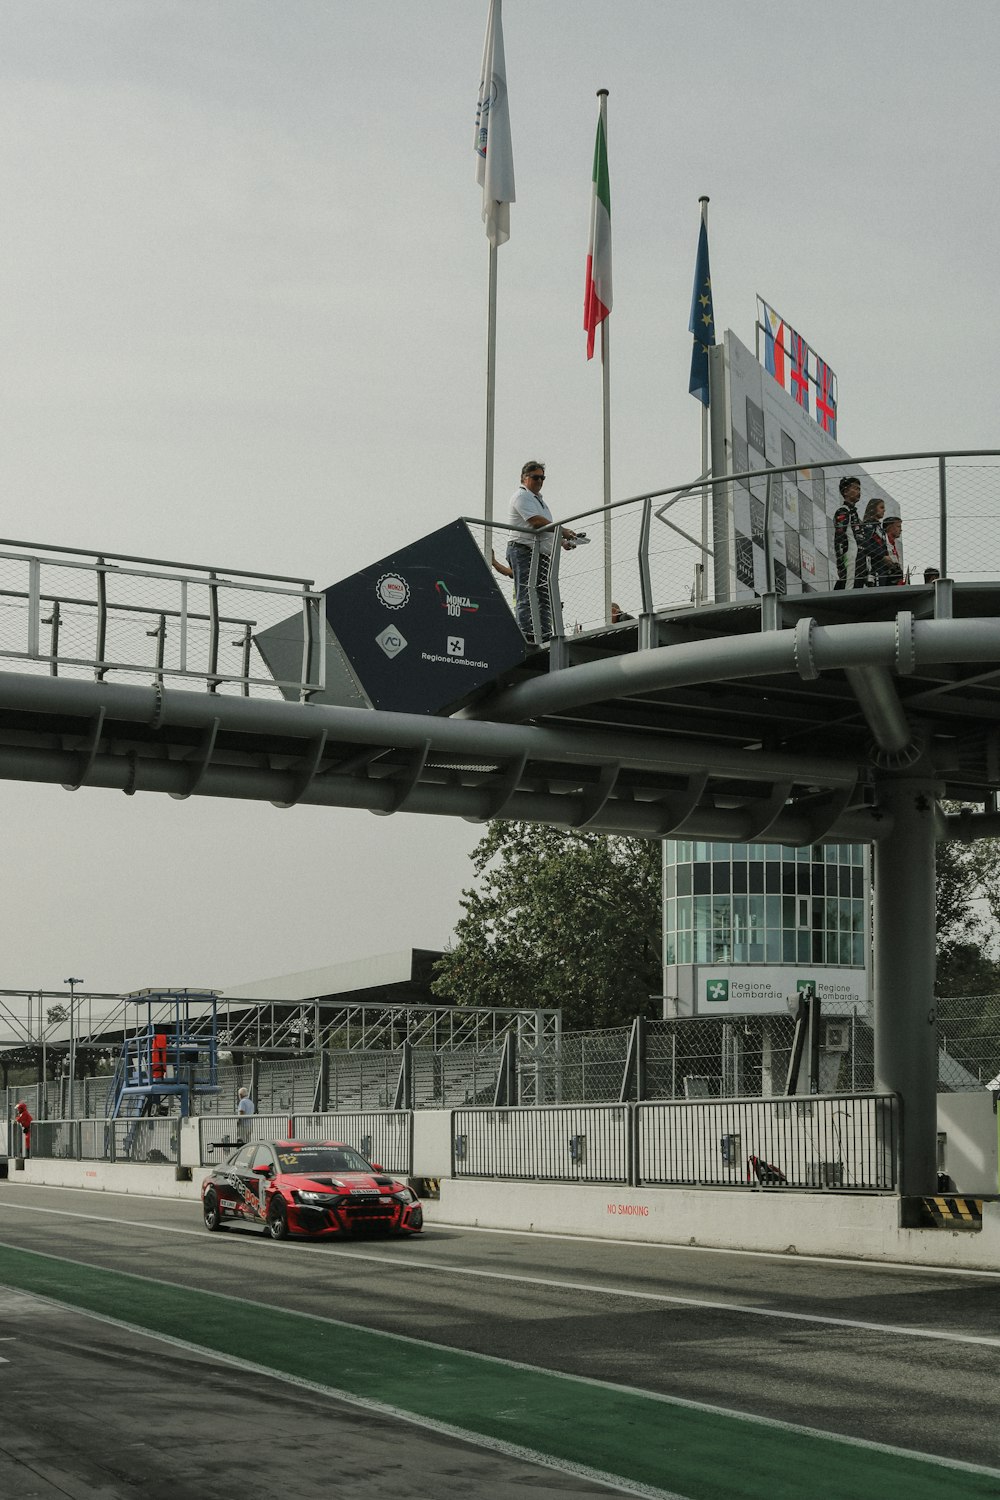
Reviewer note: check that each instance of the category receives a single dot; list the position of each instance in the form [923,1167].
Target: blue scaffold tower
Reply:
[171,1053]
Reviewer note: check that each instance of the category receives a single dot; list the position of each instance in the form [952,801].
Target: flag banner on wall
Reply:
[597,293]
[494,154]
[796,367]
[702,321]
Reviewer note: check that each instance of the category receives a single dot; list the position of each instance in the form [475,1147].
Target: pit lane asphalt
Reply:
[703,1327]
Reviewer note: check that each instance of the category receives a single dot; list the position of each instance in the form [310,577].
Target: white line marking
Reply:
[917,1268]
[867,1444]
[449,1268]
[793,1258]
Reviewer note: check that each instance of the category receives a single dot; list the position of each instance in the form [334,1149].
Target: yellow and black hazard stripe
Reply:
[948,1212]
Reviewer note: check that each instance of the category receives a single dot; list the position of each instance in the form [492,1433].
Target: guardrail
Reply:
[547,1143]
[844,1142]
[946,501]
[137,1141]
[829,1141]
[383,1137]
[71,612]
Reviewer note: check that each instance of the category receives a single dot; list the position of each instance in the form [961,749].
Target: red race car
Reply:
[316,1188]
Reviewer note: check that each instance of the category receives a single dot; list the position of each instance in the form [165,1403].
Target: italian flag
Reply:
[597,297]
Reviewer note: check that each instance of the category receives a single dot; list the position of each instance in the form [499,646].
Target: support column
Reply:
[906,1047]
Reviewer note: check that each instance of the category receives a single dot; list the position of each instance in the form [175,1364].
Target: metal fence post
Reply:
[101,671]
[943,515]
[34,606]
[556,622]
[213,632]
[54,620]
[159,634]
[245,644]
[404,1083]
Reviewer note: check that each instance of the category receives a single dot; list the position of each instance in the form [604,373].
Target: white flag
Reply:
[494,156]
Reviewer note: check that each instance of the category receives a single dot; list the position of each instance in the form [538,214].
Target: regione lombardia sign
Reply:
[763,990]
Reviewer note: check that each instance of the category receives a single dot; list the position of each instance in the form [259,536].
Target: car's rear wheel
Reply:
[277,1220]
[212,1211]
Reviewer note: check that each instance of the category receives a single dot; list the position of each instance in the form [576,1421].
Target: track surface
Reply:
[139,1354]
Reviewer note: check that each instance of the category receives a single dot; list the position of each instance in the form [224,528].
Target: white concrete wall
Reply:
[970,1153]
[785,1222]
[102,1176]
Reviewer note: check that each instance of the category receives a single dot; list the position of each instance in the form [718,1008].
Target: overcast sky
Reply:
[243,323]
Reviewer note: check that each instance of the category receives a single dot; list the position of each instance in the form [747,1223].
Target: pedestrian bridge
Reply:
[769,717]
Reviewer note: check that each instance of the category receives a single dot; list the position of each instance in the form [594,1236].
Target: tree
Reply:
[967,914]
[559,919]
[572,920]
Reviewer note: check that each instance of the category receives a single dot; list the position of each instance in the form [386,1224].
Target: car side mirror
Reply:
[377,1167]
[263,1171]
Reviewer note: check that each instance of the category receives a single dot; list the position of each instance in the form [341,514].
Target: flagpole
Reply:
[705,418]
[495,175]
[602,95]
[491,380]
[606,395]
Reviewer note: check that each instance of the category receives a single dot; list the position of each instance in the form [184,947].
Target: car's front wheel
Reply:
[213,1214]
[277,1220]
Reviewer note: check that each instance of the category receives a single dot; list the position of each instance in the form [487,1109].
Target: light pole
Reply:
[72,1044]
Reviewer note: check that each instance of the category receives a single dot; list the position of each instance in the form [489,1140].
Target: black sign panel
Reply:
[427,626]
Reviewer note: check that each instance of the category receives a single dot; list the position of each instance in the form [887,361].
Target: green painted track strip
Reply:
[697,1453]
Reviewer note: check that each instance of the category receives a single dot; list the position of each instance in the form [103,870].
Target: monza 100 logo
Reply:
[392,591]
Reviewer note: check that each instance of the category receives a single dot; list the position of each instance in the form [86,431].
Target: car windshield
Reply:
[321,1159]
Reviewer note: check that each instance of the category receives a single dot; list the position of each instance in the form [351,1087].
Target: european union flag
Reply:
[702,323]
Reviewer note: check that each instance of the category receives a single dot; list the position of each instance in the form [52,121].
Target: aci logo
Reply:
[392,591]
[716,990]
[454,603]
[456,645]
[392,641]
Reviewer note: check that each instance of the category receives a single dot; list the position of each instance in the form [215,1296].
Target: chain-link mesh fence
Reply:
[969,1041]
[946,505]
[687,1058]
[142,622]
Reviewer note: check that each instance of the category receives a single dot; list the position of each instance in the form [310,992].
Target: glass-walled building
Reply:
[745,926]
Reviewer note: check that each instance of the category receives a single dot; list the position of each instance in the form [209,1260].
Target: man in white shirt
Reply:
[529,511]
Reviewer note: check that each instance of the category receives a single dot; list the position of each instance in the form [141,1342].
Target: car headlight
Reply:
[405,1195]
[304,1196]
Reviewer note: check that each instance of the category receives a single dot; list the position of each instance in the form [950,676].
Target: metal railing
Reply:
[107,615]
[849,1143]
[946,501]
[844,1143]
[584,1143]
[384,1137]
[139,1141]
[826,1141]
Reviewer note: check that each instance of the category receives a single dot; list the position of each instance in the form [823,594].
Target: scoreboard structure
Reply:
[757,424]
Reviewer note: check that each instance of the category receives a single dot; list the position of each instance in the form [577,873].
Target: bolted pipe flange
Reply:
[906,647]
[805,663]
